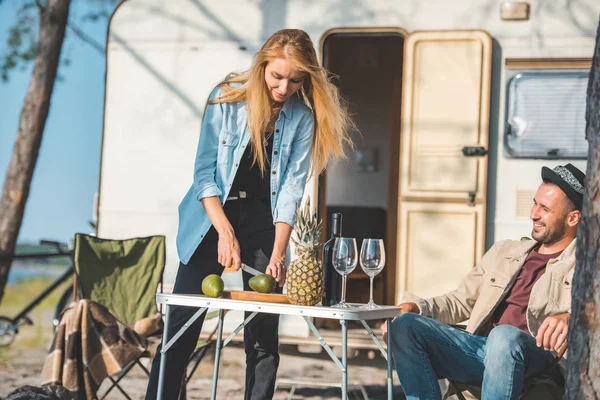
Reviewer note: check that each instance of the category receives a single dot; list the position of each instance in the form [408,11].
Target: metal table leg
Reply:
[387,355]
[163,356]
[344,359]
[166,344]
[218,354]
[389,361]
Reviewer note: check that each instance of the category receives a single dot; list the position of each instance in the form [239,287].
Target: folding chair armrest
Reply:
[562,351]
[457,390]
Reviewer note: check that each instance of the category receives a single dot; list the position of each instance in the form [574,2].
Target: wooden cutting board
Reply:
[255,296]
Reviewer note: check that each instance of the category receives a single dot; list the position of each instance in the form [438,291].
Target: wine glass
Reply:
[345,258]
[372,261]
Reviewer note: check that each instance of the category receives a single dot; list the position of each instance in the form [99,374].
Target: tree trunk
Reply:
[53,21]
[583,365]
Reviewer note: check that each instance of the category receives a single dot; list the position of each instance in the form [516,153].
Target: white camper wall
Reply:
[165,56]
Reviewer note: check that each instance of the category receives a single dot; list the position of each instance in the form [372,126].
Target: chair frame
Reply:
[146,354]
[560,354]
[195,359]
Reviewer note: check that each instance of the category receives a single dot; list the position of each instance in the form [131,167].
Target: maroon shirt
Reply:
[512,310]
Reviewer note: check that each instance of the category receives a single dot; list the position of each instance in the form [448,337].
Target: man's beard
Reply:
[551,236]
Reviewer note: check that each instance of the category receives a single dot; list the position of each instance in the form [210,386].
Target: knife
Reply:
[251,270]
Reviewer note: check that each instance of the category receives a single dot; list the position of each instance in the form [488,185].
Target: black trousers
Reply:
[253,225]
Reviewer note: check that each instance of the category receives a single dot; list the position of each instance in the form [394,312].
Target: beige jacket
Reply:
[484,287]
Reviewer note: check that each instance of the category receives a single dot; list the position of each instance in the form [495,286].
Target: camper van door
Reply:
[443,161]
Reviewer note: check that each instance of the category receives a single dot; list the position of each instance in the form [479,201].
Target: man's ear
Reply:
[573,218]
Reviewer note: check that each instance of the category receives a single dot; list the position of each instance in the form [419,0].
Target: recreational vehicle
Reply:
[458,104]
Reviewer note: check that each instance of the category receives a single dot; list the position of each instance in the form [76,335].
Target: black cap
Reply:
[569,179]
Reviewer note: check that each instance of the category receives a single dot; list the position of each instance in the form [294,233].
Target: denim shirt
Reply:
[223,139]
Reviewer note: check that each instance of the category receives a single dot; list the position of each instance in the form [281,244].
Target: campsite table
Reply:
[203,303]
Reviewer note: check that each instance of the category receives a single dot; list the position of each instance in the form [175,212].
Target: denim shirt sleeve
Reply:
[295,175]
[205,167]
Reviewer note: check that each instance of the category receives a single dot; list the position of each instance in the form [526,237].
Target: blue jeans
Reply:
[424,350]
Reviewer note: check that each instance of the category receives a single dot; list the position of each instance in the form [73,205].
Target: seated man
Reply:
[517,300]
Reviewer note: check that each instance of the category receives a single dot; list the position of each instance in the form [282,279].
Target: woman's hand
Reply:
[228,247]
[229,251]
[276,268]
[276,265]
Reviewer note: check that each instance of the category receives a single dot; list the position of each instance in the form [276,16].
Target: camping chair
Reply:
[538,387]
[123,276]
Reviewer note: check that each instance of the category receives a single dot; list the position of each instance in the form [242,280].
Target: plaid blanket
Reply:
[89,345]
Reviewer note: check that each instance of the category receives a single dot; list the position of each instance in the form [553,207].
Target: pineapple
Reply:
[305,273]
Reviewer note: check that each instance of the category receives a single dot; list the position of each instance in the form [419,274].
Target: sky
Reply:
[66,175]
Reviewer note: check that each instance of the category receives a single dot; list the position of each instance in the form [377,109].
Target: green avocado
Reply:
[263,283]
[213,286]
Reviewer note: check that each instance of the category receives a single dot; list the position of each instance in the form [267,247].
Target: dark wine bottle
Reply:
[333,280]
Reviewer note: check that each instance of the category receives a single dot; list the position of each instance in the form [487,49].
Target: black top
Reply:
[249,178]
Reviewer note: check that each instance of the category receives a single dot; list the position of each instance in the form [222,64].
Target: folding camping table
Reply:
[203,303]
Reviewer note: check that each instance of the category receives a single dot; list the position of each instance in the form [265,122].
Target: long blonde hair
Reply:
[332,122]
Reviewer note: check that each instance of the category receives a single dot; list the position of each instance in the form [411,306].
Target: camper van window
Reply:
[546,114]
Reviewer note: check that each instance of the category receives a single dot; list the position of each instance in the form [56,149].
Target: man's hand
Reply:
[553,332]
[409,307]
[406,308]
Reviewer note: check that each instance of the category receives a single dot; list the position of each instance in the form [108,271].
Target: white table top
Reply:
[356,313]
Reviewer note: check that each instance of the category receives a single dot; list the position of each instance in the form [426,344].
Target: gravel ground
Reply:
[21,363]
[307,374]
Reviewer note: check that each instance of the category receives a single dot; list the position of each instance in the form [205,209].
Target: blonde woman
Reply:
[262,134]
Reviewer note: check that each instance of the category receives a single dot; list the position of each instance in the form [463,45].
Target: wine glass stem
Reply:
[371,291]
[343,289]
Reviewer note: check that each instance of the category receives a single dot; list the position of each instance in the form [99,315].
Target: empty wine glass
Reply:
[372,261]
[345,258]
